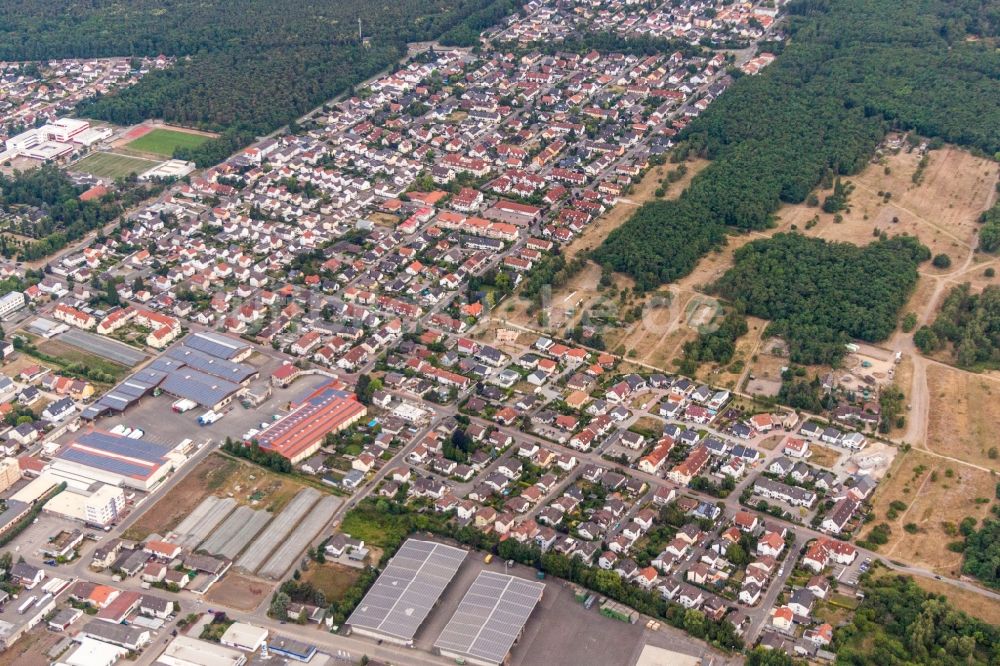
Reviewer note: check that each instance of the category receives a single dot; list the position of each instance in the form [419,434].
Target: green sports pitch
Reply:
[112,165]
[165,141]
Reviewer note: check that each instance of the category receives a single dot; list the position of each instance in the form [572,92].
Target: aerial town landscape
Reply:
[489,358]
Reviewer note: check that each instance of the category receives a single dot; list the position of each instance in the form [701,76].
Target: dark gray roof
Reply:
[234,372]
[490,617]
[206,390]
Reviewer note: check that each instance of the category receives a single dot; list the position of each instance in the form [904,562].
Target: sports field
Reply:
[112,165]
[165,141]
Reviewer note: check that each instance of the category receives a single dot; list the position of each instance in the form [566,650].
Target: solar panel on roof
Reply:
[236,372]
[124,446]
[401,598]
[216,345]
[490,617]
[115,465]
[206,390]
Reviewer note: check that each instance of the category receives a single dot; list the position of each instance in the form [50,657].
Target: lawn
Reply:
[112,165]
[165,141]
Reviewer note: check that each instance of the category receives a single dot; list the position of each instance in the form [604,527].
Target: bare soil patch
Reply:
[32,648]
[963,415]
[823,456]
[938,496]
[210,475]
[239,591]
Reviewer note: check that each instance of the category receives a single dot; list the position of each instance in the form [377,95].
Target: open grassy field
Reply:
[164,141]
[963,415]
[941,210]
[70,354]
[938,495]
[331,578]
[112,165]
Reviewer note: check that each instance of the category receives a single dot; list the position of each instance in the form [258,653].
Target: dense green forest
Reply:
[853,69]
[716,345]
[247,66]
[969,323]
[63,217]
[899,624]
[982,553]
[989,233]
[818,294]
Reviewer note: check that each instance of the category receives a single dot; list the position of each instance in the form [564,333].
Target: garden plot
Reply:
[299,540]
[278,530]
[233,535]
[200,522]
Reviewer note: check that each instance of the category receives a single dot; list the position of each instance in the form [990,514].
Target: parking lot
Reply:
[160,423]
[30,542]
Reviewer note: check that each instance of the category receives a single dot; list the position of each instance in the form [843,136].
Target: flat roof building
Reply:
[402,597]
[489,619]
[219,346]
[113,460]
[185,651]
[300,433]
[244,637]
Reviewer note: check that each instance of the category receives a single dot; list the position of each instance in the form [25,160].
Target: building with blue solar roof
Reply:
[104,457]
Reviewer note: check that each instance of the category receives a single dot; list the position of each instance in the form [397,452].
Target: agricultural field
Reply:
[164,142]
[112,165]
[70,355]
[963,415]
[215,475]
[937,495]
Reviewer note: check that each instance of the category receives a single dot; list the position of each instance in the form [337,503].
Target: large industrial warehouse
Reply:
[203,368]
[300,433]
[114,460]
[489,619]
[403,596]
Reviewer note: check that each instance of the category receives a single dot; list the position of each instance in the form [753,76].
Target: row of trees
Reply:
[257,455]
[819,294]
[816,114]
[968,324]
[389,523]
